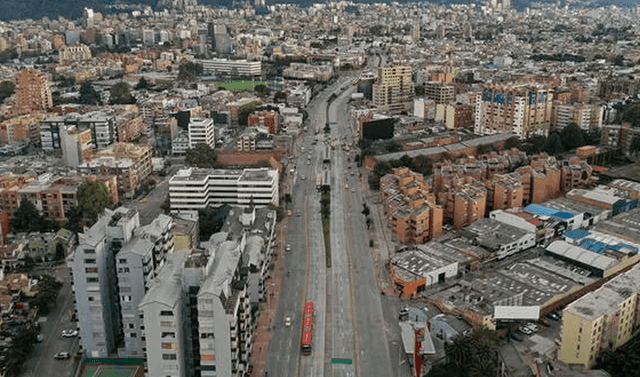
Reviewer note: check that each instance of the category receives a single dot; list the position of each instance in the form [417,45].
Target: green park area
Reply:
[239,85]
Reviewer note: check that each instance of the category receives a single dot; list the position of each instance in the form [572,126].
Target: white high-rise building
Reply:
[113,266]
[201,130]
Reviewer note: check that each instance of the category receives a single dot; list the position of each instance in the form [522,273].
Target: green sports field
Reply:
[239,85]
[109,371]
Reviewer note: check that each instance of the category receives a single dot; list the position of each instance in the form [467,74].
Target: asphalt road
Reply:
[40,362]
[352,320]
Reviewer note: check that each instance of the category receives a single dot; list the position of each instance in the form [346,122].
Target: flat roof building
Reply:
[196,188]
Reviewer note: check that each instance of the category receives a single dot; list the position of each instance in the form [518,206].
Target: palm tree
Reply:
[459,351]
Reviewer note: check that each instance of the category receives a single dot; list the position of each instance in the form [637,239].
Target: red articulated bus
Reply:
[307,329]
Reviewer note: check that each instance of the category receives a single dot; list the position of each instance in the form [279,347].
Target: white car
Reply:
[287,322]
[69,333]
[532,326]
[288,247]
[61,355]
[525,330]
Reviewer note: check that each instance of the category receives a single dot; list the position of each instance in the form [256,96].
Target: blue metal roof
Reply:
[577,234]
[548,211]
[564,215]
[540,210]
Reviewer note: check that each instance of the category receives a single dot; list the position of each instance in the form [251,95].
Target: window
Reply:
[168,356]
[166,323]
[89,251]
[122,261]
[90,261]
[125,289]
[166,313]
[132,326]
[124,270]
[91,270]
[168,334]
[92,280]
[133,335]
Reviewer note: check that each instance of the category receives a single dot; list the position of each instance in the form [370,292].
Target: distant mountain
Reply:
[72,9]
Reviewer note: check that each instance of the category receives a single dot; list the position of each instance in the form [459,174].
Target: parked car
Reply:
[287,322]
[69,333]
[288,247]
[532,326]
[61,355]
[525,330]
[516,336]
[553,316]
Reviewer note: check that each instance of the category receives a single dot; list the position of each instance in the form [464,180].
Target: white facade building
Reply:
[195,188]
[232,67]
[201,130]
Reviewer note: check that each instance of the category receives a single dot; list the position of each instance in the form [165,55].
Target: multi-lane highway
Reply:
[352,320]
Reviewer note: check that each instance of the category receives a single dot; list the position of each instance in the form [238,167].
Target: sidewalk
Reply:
[383,247]
[266,313]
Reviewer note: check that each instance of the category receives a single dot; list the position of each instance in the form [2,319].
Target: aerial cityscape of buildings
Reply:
[337,189]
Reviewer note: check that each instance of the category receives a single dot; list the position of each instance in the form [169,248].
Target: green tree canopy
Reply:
[554,146]
[93,198]
[26,218]
[142,84]
[89,95]
[512,142]
[7,88]
[572,137]
[631,114]
[121,94]
[201,156]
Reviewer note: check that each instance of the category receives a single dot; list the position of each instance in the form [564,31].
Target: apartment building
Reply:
[616,136]
[113,266]
[586,116]
[21,128]
[195,188]
[574,173]
[393,92]
[129,127]
[441,93]
[197,317]
[137,264]
[463,203]
[224,317]
[601,320]
[504,191]
[235,68]
[522,109]
[95,284]
[414,216]
[201,131]
[166,317]
[32,91]
[247,140]
[74,53]
[102,127]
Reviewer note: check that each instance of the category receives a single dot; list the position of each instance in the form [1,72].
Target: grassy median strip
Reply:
[325,210]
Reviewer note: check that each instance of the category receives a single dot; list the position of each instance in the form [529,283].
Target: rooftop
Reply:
[166,288]
[608,298]
[580,255]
